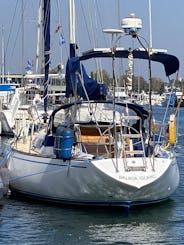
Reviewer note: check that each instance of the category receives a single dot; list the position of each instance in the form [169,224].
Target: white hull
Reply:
[92,182]
[4,177]
[3,186]
[1,189]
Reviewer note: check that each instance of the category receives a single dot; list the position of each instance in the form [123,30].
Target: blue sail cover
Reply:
[77,79]
[46,49]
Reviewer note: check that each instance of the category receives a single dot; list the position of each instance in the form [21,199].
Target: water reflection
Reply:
[146,226]
[44,224]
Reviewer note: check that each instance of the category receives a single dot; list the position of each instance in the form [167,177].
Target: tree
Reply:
[102,76]
[139,84]
[157,85]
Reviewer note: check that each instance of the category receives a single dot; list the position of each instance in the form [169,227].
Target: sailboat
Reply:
[5,152]
[9,100]
[95,151]
[20,103]
[173,99]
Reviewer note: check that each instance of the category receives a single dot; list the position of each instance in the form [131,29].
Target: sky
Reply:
[167,28]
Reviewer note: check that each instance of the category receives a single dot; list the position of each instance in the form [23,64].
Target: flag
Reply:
[29,66]
[62,40]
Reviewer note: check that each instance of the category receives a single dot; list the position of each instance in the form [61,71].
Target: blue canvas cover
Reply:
[77,79]
[7,87]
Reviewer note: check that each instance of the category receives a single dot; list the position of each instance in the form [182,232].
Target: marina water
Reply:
[28,223]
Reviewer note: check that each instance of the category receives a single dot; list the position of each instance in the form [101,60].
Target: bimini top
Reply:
[77,77]
[170,62]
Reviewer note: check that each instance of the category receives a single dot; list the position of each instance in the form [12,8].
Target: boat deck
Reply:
[25,144]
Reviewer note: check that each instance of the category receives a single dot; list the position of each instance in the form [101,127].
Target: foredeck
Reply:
[25,144]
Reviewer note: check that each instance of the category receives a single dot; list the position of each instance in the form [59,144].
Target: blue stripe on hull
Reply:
[48,163]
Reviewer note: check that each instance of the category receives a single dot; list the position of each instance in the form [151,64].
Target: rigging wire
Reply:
[91,25]
[150,87]
[60,32]
[100,20]
[11,27]
[85,21]
[59,29]
[17,34]
[92,40]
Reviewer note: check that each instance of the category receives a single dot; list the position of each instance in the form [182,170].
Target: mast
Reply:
[150,26]
[46,26]
[23,41]
[3,55]
[72,28]
[38,34]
